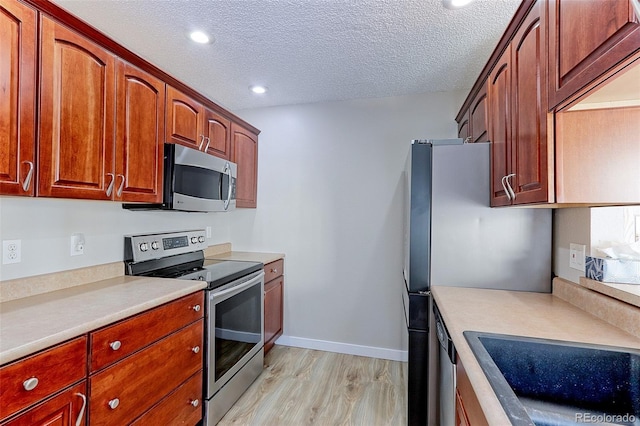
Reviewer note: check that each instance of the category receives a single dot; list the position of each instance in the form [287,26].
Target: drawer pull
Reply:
[195,349]
[113,404]
[274,270]
[195,402]
[115,345]
[30,384]
[196,308]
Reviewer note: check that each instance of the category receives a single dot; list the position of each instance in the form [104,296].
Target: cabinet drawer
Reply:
[181,407]
[273,270]
[135,384]
[114,342]
[54,369]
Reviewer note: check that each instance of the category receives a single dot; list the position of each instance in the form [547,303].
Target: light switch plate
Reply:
[576,256]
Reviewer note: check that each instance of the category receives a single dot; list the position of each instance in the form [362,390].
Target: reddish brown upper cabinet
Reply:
[191,124]
[217,133]
[518,117]
[77,94]
[587,38]
[478,117]
[18,99]
[244,152]
[472,126]
[139,135]
[184,120]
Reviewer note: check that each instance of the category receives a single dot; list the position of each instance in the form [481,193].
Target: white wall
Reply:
[45,225]
[330,197]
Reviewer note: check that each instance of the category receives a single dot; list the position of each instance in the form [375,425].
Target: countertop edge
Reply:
[39,344]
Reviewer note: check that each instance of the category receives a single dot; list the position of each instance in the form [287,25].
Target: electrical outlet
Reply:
[77,245]
[11,251]
[208,232]
[576,256]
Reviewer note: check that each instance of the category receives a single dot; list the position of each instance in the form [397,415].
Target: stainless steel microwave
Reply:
[195,182]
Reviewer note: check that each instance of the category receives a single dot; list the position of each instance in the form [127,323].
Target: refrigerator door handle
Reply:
[505,187]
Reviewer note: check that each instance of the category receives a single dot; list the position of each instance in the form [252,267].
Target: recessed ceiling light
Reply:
[455,4]
[199,37]
[258,89]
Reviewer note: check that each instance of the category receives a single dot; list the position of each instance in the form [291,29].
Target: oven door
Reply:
[199,181]
[236,330]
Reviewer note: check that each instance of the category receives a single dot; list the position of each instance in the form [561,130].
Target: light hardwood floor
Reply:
[307,387]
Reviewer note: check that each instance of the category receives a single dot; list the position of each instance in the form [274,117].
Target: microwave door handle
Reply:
[227,171]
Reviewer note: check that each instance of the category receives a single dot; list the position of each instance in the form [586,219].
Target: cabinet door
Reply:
[218,131]
[17,103]
[464,127]
[529,110]
[498,92]
[183,120]
[273,293]
[478,117]
[244,151]
[65,409]
[77,93]
[586,38]
[139,135]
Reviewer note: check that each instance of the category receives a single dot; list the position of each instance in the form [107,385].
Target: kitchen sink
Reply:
[549,382]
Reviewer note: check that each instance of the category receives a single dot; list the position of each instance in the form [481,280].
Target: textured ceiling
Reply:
[306,50]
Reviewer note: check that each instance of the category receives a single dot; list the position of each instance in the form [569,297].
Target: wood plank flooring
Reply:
[307,387]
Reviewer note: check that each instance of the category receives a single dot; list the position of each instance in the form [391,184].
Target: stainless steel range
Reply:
[234,329]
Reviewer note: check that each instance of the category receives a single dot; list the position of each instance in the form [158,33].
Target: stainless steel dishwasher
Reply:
[447,373]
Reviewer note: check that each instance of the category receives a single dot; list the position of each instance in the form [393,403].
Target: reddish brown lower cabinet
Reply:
[468,409]
[273,303]
[30,380]
[67,408]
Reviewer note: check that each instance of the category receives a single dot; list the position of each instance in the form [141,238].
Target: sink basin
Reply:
[548,382]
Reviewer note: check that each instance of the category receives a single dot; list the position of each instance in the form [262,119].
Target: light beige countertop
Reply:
[517,313]
[30,324]
[246,256]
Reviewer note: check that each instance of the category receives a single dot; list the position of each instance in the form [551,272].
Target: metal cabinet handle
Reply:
[121,187]
[110,187]
[84,405]
[195,349]
[30,384]
[467,139]
[513,194]
[27,181]
[208,142]
[115,345]
[505,187]
[113,404]
[201,142]
[195,403]
[196,308]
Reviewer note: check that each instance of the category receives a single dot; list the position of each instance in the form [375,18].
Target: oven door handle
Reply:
[232,291]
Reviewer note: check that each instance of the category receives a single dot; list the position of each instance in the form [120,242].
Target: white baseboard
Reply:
[343,348]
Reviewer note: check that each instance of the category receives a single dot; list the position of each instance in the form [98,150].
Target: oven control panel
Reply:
[138,248]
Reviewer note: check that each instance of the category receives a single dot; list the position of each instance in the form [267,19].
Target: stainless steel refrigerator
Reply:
[453,238]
